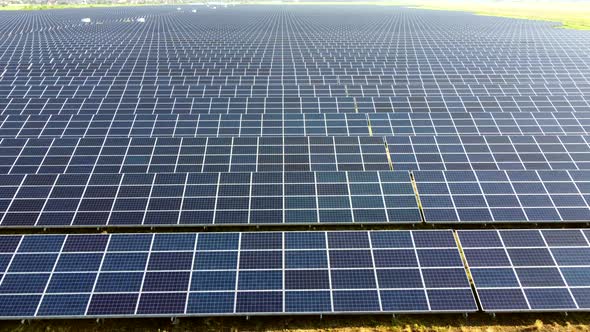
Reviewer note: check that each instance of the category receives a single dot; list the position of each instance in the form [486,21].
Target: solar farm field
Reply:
[192,161]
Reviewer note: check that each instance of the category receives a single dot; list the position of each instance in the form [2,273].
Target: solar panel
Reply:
[503,196]
[489,152]
[151,155]
[297,115]
[94,275]
[306,124]
[529,270]
[266,98]
[260,154]
[84,200]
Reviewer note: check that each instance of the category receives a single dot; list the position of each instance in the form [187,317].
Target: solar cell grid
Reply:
[165,154]
[133,155]
[232,273]
[259,115]
[503,196]
[240,125]
[208,198]
[529,270]
[489,152]
[260,104]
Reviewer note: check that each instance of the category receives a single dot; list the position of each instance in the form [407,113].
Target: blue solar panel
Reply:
[178,274]
[489,152]
[306,124]
[255,115]
[503,196]
[210,198]
[529,270]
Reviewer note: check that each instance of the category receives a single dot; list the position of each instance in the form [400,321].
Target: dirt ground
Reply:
[474,322]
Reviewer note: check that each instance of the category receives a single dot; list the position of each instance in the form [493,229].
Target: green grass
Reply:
[334,3]
[571,15]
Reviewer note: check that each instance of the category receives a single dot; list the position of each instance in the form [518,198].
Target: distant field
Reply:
[573,15]
[43,7]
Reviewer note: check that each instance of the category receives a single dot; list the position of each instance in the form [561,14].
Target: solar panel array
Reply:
[284,90]
[140,155]
[510,196]
[287,115]
[240,198]
[322,124]
[209,198]
[529,270]
[232,273]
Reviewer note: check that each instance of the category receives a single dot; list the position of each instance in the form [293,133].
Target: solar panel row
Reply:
[231,273]
[489,152]
[239,125]
[208,198]
[292,272]
[294,198]
[292,115]
[114,155]
[512,196]
[241,154]
[215,103]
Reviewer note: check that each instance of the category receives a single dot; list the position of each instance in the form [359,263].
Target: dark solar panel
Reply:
[529,270]
[158,155]
[208,198]
[306,124]
[84,275]
[298,115]
[503,196]
[323,100]
[489,152]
